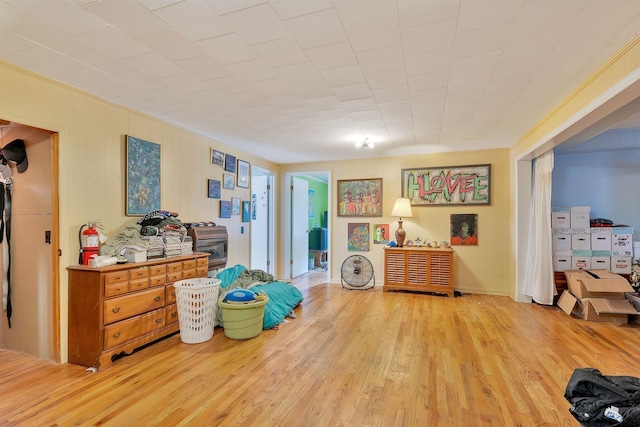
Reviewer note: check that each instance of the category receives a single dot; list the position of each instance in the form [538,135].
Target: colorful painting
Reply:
[246,209]
[312,203]
[450,185]
[464,229]
[381,234]
[143,177]
[227,182]
[360,197]
[358,236]
[243,174]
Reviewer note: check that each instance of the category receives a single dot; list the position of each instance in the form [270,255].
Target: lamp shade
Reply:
[402,208]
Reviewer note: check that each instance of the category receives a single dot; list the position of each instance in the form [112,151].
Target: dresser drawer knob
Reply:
[115,309]
[156,299]
[174,314]
[116,335]
[158,320]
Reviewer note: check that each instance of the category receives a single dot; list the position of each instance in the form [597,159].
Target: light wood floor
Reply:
[350,358]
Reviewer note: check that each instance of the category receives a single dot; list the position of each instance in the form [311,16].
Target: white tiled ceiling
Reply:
[302,80]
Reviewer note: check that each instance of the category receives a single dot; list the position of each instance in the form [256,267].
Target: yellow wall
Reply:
[92,164]
[478,269]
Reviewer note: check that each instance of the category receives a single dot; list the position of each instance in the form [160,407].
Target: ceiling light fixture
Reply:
[364,144]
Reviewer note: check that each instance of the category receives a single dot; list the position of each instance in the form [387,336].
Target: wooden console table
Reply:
[114,310]
[419,269]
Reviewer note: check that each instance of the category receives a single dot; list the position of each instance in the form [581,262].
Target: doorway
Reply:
[33,247]
[311,210]
[262,220]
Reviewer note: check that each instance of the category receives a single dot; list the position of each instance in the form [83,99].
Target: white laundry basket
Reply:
[197,301]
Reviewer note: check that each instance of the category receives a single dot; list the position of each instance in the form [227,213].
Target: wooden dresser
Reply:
[419,269]
[116,309]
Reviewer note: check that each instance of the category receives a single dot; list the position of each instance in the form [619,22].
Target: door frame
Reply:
[270,216]
[288,223]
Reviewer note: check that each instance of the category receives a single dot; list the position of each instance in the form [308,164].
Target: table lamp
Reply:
[402,208]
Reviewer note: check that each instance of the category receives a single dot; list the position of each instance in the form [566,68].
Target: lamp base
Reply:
[400,235]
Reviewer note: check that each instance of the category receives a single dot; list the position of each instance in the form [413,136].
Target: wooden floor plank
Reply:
[349,358]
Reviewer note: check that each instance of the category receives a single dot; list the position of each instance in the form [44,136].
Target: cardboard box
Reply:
[135,254]
[597,284]
[597,309]
[562,242]
[576,209]
[621,242]
[560,220]
[562,263]
[621,264]
[581,242]
[601,230]
[580,219]
[607,310]
[600,242]
[601,263]
[581,262]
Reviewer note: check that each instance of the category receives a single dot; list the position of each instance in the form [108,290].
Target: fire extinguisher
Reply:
[89,242]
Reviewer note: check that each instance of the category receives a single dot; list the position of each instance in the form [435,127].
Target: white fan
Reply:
[357,272]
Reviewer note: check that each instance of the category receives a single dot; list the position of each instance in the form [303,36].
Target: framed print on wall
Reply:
[448,185]
[213,189]
[143,177]
[360,197]
[228,181]
[246,211]
[225,209]
[357,236]
[243,174]
[230,163]
[464,229]
[217,157]
[235,206]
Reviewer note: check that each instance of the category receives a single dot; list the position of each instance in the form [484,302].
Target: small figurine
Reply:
[418,242]
[635,276]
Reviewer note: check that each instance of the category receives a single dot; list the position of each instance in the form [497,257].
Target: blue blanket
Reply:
[282,296]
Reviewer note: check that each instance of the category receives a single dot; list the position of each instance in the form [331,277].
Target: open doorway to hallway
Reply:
[307,222]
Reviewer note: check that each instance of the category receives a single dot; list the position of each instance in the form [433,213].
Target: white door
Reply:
[262,247]
[299,227]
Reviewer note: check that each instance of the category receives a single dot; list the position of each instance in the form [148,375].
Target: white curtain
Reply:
[539,281]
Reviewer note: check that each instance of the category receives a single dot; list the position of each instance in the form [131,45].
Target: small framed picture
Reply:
[246,211]
[217,157]
[243,174]
[225,209]
[213,189]
[230,163]
[235,206]
[228,182]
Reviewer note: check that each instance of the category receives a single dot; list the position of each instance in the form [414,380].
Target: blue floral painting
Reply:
[143,177]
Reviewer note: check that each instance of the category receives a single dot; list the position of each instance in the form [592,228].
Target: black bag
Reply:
[595,397]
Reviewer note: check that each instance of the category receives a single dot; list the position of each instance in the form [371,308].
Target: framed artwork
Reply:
[246,210]
[235,206]
[213,189]
[449,185]
[464,229]
[312,203]
[243,174]
[357,236]
[254,204]
[217,157]
[230,163]
[380,234]
[225,209]
[228,181]
[143,177]
[360,197]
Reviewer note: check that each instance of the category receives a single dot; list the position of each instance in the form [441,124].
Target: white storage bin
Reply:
[581,242]
[600,242]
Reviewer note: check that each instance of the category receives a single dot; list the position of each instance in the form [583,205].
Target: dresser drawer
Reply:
[202,271]
[174,267]
[157,270]
[116,277]
[170,297]
[157,280]
[121,332]
[172,314]
[203,262]
[115,289]
[189,274]
[138,273]
[174,277]
[130,305]
[189,265]
[138,284]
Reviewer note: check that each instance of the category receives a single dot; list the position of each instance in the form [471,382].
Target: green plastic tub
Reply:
[243,321]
